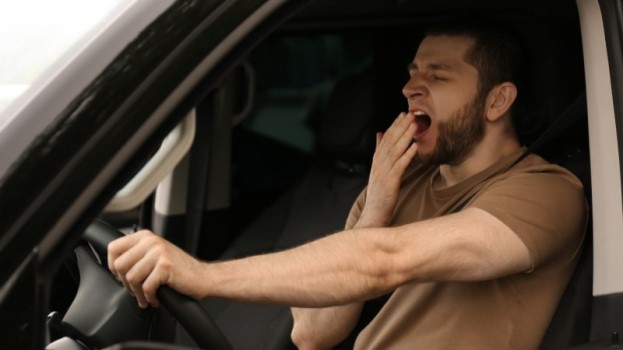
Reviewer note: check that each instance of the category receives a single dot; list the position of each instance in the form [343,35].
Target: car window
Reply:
[295,75]
[34,35]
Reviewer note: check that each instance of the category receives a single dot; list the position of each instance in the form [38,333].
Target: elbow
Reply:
[310,330]
[298,337]
[301,334]
[386,271]
[304,340]
[387,279]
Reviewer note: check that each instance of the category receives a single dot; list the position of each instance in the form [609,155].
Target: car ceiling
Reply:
[328,12]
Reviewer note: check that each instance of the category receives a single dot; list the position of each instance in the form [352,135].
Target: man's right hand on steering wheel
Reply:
[143,261]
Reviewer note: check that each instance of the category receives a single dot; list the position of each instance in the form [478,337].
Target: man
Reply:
[476,247]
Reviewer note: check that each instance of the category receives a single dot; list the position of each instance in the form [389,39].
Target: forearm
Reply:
[310,329]
[336,270]
[360,264]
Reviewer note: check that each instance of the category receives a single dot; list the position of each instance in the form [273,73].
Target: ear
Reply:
[500,100]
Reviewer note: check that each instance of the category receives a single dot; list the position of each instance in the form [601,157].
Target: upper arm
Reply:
[528,221]
[548,211]
[466,246]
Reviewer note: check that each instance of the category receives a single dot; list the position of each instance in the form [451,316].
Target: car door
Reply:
[601,23]
[73,167]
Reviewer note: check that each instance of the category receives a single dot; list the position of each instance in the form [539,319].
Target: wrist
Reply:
[369,220]
[208,279]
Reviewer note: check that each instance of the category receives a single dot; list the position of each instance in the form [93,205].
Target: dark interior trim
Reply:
[612,14]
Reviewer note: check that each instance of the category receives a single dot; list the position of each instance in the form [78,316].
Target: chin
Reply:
[422,157]
[424,151]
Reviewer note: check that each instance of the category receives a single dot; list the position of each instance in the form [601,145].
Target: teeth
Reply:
[419,113]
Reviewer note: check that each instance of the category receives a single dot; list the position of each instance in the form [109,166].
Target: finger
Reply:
[404,142]
[119,246]
[124,262]
[404,161]
[150,286]
[393,143]
[136,276]
[386,141]
[126,286]
[124,265]
[393,154]
[397,130]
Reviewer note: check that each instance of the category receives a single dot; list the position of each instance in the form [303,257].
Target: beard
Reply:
[459,134]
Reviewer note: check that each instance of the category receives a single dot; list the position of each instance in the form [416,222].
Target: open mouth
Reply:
[423,122]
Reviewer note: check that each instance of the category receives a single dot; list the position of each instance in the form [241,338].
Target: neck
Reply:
[484,155]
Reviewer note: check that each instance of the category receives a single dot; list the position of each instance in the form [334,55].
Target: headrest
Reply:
[347,130]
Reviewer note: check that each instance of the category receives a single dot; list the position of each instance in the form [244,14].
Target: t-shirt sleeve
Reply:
[546,210]
[355,210]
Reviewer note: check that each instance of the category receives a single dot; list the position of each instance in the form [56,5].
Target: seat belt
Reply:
[570,115]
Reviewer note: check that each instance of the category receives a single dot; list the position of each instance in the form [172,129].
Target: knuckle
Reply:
[113,247]
[165,264]
[149,289]
[119,266]
[111,267]
[132,278]
[159,250]
[143,233]
[154,241]
[147,239]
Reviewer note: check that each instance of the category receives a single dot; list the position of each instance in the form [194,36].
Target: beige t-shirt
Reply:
[543,204]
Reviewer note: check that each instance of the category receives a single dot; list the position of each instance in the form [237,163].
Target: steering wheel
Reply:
[191,316]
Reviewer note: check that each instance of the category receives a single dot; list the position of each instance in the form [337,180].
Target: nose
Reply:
[414,88]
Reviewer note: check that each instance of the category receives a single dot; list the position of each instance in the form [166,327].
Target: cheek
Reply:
[448,109]
[449,100]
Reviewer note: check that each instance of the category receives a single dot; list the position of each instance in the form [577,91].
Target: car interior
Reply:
[283,147]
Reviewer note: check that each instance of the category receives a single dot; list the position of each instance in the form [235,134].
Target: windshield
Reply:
[38,36]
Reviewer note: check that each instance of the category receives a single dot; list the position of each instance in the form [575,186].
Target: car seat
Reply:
[318,205]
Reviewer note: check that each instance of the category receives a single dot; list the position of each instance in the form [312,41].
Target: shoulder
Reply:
[534,163]
[534,182]
[543,203]
[535,174]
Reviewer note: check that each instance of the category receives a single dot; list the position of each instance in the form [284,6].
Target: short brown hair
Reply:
[497,53]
